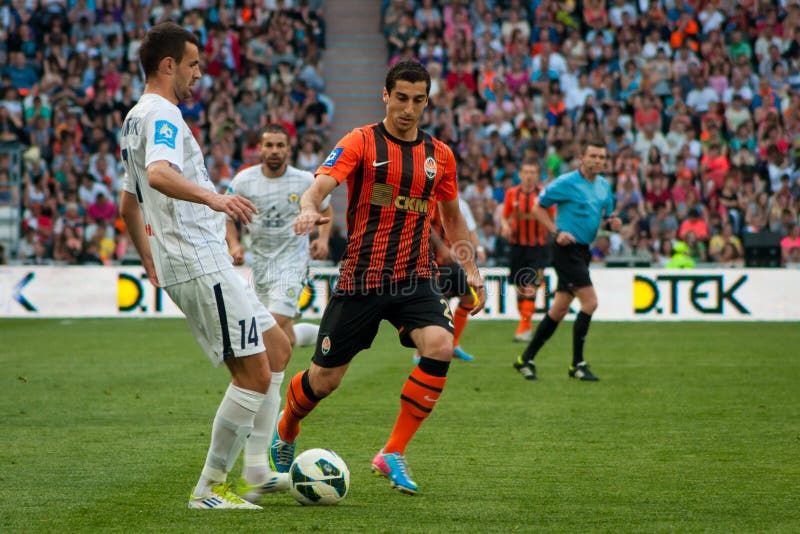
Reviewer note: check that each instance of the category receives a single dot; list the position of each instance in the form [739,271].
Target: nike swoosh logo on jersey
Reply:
[381,164]
[429,399]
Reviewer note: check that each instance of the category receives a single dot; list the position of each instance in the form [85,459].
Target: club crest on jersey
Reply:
[333,157]
[294,198]
[166,132]
[430,168]
[325,346]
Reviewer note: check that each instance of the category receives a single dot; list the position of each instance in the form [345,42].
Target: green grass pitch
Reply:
[693,427]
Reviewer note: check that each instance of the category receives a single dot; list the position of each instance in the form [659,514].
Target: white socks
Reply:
[256,465]
[232,424]
[305,334]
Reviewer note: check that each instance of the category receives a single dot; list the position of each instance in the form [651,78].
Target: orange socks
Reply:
[460,321]
[526,308]
[419,396]
[300,400]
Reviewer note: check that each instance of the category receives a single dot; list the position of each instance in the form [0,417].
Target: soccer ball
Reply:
[319,476]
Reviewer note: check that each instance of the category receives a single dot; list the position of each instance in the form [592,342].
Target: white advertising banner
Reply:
[624,294]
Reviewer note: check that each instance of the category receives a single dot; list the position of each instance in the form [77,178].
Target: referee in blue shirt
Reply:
[585,201]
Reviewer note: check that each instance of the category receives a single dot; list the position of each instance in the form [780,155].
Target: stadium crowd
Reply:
[70,72]
[699,102]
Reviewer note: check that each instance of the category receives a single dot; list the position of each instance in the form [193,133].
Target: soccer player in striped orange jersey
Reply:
[394,173]
[528,237]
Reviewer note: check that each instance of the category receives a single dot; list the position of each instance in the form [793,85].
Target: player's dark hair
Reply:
[166,39]
[408,71]
[597,142]
[530,160]
[276,128]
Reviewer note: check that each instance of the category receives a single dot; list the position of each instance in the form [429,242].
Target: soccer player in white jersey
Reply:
[280,267]
[177,222]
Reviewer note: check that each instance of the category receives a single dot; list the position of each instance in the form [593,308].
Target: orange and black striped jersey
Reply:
[392,186]
[525,229]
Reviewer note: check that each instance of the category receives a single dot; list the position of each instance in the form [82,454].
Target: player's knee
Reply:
[440,348]
[526,292]
[558,313]
[283,352]
[589,307]
[292,338]
[279,348]
[324,381]
[253,373]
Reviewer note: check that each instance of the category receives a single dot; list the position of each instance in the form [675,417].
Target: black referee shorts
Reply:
[571,263]
[527,263]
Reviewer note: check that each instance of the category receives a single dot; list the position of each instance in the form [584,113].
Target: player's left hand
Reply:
[236,207]
[319,249]
[476,283]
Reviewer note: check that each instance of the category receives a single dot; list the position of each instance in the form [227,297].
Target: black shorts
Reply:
[350,321]
[571,263]
[527,264]
[452,280]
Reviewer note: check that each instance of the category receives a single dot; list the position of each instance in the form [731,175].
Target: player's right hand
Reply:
[150,270]
[307,220]
[236,207]
[475,282]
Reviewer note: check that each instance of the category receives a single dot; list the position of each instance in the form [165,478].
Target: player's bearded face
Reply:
[274,151]
[404,106]
[188,72]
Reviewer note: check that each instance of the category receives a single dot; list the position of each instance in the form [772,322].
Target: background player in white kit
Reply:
[177,223]
[280,266]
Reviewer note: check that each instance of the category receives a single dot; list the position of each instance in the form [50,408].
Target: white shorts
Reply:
[281,294]
[224,314]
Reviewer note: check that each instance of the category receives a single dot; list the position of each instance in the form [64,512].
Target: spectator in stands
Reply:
[102,209]
[681,257]
[790,246]
[11,131]
[719,242]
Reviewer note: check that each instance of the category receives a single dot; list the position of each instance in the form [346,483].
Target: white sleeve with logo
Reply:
[164,127]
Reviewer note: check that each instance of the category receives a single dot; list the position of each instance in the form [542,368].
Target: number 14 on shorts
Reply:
[249,333]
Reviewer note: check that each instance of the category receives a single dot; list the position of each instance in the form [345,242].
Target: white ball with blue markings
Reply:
[319,477]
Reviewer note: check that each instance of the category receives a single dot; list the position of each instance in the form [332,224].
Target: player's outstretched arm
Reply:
[166,180]
[463,249]
[134,222]
[310,216]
